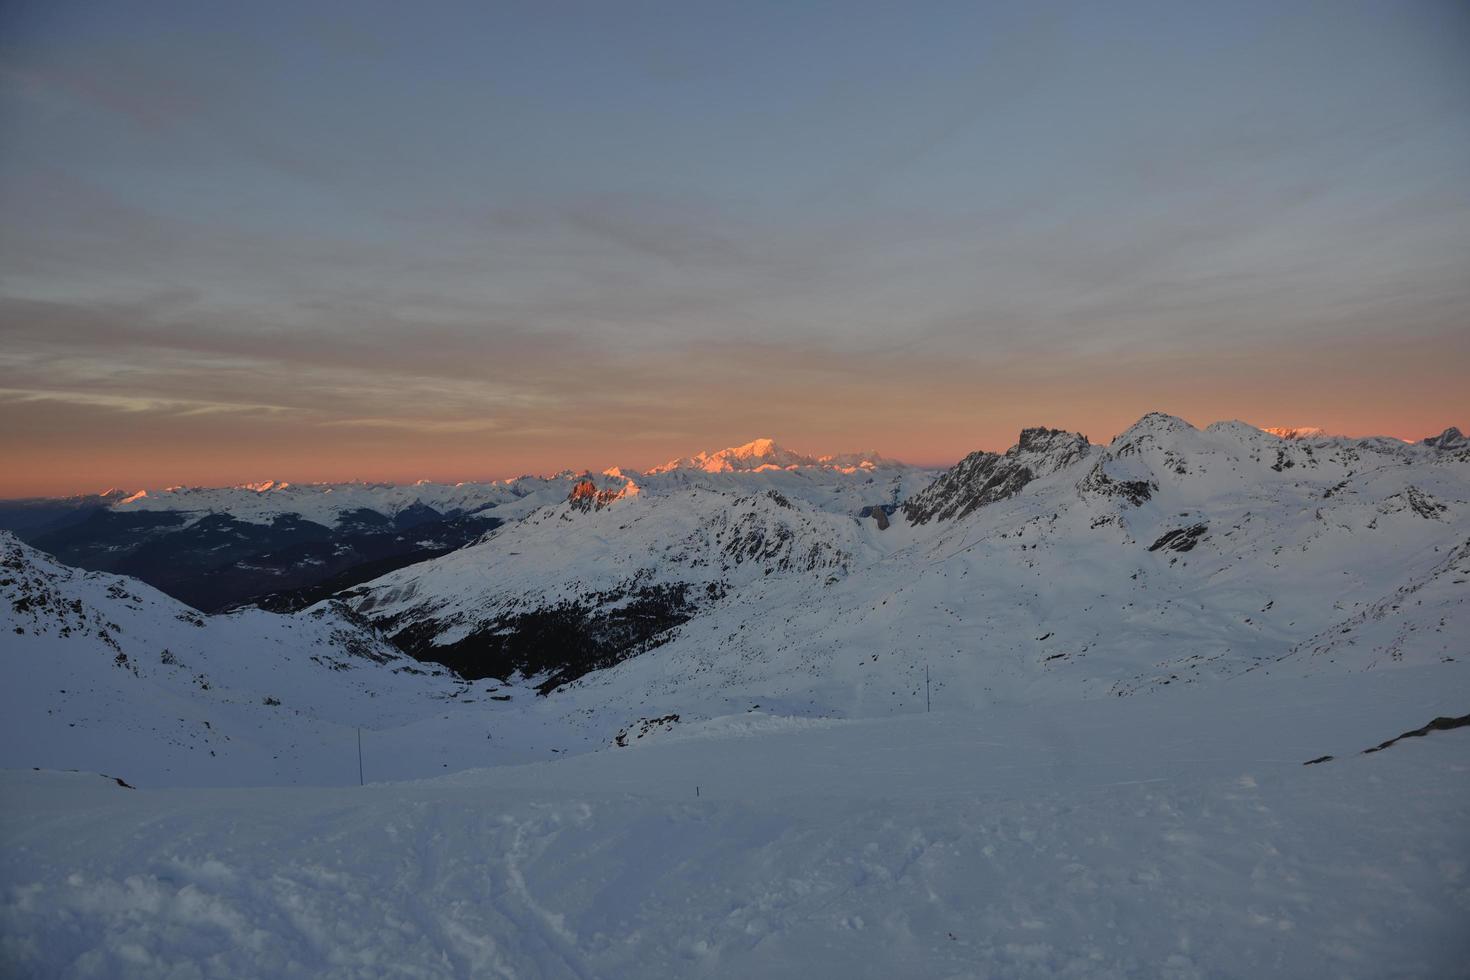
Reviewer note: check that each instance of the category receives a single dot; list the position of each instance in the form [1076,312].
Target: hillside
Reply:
[1059,569]
[1193,703]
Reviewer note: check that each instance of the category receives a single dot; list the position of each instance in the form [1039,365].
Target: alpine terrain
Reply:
[1190,702]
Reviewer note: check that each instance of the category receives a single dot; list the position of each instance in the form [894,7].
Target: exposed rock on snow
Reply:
[1450,440]
[1295,431]
[1180,539]
[983,478]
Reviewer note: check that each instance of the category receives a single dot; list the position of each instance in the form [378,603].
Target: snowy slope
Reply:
[1132,652]
[1056,570]
[279,544]
[607,572]
[105,672]
[1172,557]
[1174,837]
[284,546]
[588,582]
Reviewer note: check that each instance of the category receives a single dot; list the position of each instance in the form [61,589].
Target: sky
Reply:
[311,241]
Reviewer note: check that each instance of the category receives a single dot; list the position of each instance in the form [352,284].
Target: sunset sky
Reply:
[300,241]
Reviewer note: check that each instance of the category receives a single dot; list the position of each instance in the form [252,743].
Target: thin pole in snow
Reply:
[359,756]
[926,688]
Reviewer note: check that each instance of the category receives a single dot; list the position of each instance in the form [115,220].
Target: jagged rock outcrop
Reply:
[983,478]
[1181,538]
[1292,432]
[1450,440]
[1098,482]
[586,496]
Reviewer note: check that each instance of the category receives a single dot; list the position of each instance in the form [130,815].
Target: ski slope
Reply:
[1178,837]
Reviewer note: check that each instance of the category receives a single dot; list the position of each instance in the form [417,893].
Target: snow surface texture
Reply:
[1132,651]
[1172,837]
[104,672]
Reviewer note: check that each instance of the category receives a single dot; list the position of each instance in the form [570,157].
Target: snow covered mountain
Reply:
[983,478]
[1295,431]
[609,571]
[333,503]
[269,543]
[1450,440]
[764,454]
[106,667]
[284,546]
[1130,651]
[1056,569]
[602,576]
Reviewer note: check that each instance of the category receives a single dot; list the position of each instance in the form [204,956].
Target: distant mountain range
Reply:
[284,545]
[764,454]
[575,606]
[1171,555]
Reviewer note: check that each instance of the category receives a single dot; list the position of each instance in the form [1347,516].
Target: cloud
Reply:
[417,424]
[137,403]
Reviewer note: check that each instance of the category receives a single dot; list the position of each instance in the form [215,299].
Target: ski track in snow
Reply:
[1119,839]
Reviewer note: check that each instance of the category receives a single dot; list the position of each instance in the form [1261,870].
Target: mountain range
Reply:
[756,579]
[1182,704]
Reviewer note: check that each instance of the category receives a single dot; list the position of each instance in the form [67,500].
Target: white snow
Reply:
[851,476]
[765,454]
[1111,783]
[326,503]
[1295,431]
[1162,837]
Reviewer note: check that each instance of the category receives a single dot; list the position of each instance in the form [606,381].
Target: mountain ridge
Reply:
[1163,491]
[1055,571]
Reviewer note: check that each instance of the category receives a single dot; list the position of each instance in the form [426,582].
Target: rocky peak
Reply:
[1449,439]
[765,454]
[1295,431]
[586,496]
[753,455]
[1152,425]
[983,478]
[1050,442]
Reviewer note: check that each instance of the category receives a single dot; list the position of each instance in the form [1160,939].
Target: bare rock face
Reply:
[1098,482]
[983,478]
[586,496]
[1449,440]
[1180,539]
[1295,432]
